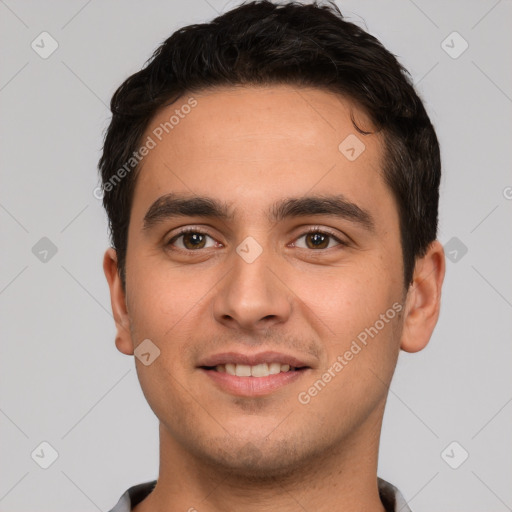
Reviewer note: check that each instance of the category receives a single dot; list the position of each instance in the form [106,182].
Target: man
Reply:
[271,180]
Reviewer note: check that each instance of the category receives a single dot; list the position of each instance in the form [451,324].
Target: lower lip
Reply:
[253,386]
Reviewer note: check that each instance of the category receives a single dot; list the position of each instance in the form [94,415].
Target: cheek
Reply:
[160,308]
[160,300]
[361,355]
[168,307]
[350,300]
[167,392]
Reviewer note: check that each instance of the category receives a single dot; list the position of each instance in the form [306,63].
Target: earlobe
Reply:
[118,302]
[423,300]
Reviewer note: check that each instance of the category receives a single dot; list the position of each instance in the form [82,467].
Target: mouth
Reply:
[257,370]
[253,375]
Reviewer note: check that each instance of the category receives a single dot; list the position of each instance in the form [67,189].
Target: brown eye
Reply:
[317,239]
[191,240]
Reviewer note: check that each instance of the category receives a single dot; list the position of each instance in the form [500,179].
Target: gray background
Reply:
[62,379]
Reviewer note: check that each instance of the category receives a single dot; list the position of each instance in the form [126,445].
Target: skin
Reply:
[251,147]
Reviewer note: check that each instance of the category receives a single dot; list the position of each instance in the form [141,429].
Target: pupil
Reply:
[195,237]
[318,239]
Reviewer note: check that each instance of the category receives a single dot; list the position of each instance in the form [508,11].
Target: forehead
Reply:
[281,120]
[253,144]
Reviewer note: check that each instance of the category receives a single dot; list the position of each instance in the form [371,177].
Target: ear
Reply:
[118,301]
[423,299]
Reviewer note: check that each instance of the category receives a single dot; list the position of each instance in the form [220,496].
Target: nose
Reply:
[252,296]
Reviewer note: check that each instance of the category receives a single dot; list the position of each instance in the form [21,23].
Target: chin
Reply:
[258,460]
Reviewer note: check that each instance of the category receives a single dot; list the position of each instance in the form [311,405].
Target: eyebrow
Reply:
[174,205]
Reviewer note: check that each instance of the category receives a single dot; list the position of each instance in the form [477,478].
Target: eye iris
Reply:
[196,238]
[319,239]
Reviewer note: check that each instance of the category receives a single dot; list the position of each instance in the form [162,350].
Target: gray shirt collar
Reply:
[390,496]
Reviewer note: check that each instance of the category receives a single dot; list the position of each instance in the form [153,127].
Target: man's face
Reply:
[256,282]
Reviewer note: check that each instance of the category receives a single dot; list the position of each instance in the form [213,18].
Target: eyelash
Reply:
[307,232]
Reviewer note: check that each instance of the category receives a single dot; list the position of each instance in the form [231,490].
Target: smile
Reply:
[258,370]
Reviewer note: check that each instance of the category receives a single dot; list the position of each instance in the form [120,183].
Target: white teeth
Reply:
[274,368]
[258,370]
[242,370]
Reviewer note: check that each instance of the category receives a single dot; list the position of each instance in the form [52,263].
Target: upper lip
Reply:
[252,359]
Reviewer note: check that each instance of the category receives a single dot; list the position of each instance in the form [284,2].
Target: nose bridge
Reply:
[252,296]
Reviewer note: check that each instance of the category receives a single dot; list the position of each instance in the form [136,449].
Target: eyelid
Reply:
[340,236]
[189,229]
[324,231]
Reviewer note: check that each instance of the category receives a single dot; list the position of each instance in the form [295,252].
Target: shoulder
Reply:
[391,497]
[133,496]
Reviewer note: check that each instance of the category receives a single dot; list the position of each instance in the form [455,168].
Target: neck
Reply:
[344,479]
